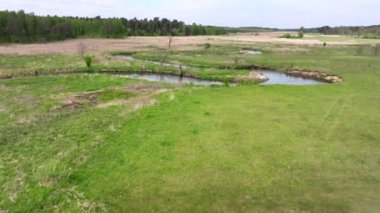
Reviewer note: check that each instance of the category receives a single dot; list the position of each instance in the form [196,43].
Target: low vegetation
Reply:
[207,46]
[103,143]
[88,60]
[369,36]
[299,35]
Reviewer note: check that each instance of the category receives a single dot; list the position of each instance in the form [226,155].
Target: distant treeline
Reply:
[250,29]
[21,27]
[365,31]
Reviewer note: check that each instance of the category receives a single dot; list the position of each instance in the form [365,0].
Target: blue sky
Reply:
[266,13]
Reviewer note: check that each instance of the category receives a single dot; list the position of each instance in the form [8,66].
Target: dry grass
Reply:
[2,108]
[99,46]
[144,96]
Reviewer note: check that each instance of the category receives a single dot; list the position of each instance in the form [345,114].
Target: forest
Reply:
[21,27]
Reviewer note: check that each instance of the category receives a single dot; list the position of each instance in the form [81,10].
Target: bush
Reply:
[226,82]
[300,34]
[207,46]
[286,36]
[370,36]
[88,60]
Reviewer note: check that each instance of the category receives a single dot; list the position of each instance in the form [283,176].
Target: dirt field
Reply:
[98,46]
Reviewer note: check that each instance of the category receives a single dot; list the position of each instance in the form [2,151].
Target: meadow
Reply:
[74,140]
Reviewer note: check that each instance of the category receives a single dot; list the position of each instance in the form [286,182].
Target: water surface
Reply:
[165,64]
[253,52]
[172,79]
[125,57]
[275,77]
[281,78]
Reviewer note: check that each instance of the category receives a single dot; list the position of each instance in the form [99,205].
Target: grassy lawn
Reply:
[192,149]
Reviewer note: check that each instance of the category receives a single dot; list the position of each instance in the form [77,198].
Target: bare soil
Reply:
[76,101]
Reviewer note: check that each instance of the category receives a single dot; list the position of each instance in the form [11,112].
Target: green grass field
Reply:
[97,143]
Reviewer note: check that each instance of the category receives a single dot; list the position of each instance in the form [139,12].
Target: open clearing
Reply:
[99,46]
[101,143]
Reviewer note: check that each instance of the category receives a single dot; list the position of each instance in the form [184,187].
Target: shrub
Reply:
[300,34]
[207,46]
[286,36]
[226,82]
[88,60]
[370,36]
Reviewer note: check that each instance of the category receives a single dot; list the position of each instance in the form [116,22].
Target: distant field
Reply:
[86,142]
[99,46]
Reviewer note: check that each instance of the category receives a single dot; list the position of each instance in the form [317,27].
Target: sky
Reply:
[233,13]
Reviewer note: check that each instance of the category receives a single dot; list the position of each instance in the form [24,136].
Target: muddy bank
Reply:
[254,77]
[316,75]
[251,51]
[307,74]
[5,76]
[76,101]
[183,76]
[168,77]
[36,74]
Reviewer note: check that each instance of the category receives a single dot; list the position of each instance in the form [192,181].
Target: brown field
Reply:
[99,46]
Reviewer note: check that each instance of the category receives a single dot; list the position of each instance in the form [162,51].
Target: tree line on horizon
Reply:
[363,31]
[21,27]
